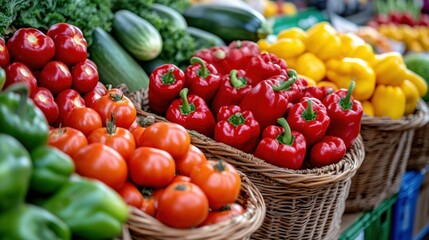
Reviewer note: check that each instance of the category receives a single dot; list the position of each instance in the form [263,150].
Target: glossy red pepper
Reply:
[282,147]
[4,54]
[215,56]
[309,119]
[31,47]
[237,128]
[266,101]
[231,91]
[345,113]
[192,113]
[45,101]
[261,67]
[318,92]
[18,72]
[329,150]
[202,79]
[294,92]
[165,83]
[240,53]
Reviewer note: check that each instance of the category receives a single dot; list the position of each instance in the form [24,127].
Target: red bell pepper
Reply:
[261,67]
[4,54]
[215,56]
[282,147]
[317,92]
[233,88]
[309,119]
[266,101]
[165,83]
[192,113]
[202,79]
[240,53]
[329,150]
[237,128]
[345,114]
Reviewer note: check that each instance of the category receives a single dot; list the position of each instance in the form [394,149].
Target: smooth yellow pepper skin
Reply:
[389,101]
[309,80]
[263,44]
[323,41]
[293,32]
[354,47]
[291,62]
[411,96]
[327,83]
[390,69]
[367,108]
[343,71]
[309,65]
[287,48]
[418,81]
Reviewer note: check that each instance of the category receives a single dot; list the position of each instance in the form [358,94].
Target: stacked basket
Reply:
[419,157]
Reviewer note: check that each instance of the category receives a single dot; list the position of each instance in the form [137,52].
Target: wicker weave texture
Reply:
[143,226]
[419,157]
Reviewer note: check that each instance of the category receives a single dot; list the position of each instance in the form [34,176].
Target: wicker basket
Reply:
[143,226]
[387,150]
[419,157]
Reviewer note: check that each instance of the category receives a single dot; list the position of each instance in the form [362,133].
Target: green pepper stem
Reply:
[22,90]
[286,84]
[111,125]
[345,102]
[204,72]
[286,137]
[235,81]
[220,166]
[219,54]
[168,79]
[237,119]
[309,114]
[238,44]
[186,107]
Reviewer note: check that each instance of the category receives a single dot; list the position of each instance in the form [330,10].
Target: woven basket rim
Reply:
[412,121]
[248,222]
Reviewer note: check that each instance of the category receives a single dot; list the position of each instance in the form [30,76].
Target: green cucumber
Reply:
[204,39]
[115,65]
[137,35]
[170,14]
[228,22]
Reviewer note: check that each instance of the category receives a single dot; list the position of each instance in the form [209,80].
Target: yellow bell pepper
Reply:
[263,44]
[291,62]
[327,83]
[389,101]
[323,41]
[354,47]
[287,48]
[309,65]
[411,96]
[293,32]
[418,81]
[367,108]
[390,69]
[365,52]
[309,81]
[343,71]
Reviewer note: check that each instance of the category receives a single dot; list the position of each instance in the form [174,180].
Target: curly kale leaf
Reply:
[178,5]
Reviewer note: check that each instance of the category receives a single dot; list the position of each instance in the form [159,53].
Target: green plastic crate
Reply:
[357,230]
[381,219]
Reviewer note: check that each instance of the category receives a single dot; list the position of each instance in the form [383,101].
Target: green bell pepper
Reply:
[29,222]
[91,209]
[51,169]
[20,118]
[15,172]
[2,78]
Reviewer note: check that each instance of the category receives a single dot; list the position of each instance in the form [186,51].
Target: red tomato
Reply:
[148,206]
[182,205]
[44,100]
[190,160]
[55,76]
[102,163]
[224,214]
[83,119]
[117,138]
[18,72]
[68,140]
[181,178]
[219,181]
[131,195]
[31,47]
[85,77]
[137,133]
[70,46]
[67,100]
[157,195]
[151,167]
[91,97]
[4,54]
[120,105]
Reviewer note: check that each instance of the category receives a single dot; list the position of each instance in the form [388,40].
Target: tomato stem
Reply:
[180,187]
[220,166]
[110,124]
[116,97]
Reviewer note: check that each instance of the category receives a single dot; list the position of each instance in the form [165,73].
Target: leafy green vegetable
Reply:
[178,5]
[131,5]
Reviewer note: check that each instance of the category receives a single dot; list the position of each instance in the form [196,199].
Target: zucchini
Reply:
[228,22]
[204,39]
[115,65]
[170,14]
[137,35]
